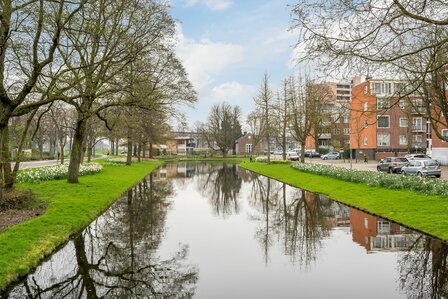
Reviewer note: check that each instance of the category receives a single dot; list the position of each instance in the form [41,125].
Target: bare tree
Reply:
[29,35]
[301,109]
[223,126]
[264,104]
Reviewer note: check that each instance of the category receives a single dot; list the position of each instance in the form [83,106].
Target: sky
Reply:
[226,47]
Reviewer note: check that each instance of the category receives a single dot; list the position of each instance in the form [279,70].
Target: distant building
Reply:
[337,126]
[383,124]
[245,145]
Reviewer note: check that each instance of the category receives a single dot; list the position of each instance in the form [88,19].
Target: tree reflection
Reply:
[298,218]
[115,256]
[424,269]
[221,184]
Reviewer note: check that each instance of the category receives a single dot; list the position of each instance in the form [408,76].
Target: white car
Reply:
[293,155]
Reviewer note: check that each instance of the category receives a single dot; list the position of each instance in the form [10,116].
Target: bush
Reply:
[54,172]
[378,179]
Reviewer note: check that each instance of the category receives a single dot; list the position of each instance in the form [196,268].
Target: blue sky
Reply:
[227,45]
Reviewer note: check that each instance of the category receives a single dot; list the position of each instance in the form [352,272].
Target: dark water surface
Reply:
[217,231]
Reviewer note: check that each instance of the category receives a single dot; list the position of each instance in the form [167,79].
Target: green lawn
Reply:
[71,208]
[425,213]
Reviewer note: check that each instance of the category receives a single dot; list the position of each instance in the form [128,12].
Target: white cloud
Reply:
[204,58]
[211,4]
[218,4]
[233,92]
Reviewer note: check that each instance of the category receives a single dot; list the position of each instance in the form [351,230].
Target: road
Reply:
[33,164]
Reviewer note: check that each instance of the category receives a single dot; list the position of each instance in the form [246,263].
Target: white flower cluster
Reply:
[54,172]
[261,159]
[422,185]
[116,161]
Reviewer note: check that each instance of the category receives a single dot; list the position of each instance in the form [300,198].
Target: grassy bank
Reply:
[71,208]
[426,213]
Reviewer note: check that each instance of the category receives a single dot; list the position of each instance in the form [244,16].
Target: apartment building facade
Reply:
[385,124]
[335,131]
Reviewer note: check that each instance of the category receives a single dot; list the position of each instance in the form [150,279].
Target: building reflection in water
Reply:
[116,256]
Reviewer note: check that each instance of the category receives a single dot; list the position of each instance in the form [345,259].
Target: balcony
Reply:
[418,110]
[325,136]
[418,128]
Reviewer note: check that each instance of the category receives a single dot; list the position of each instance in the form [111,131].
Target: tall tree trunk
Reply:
[112,147]
[302,152]
[77,151]
[5,157]
[117,144]
[129,156]
[21,144]
[316,140]
[144,150]
[150,151]
[89,149]
[139,152]
[269,150]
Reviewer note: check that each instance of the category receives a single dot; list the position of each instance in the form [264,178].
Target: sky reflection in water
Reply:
[194,230]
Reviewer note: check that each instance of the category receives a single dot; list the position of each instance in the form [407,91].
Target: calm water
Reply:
[217,231]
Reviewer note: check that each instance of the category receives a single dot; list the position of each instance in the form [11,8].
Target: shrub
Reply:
[378,179]
[54,172]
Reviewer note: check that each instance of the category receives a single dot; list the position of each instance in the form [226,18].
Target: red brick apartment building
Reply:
[383,125]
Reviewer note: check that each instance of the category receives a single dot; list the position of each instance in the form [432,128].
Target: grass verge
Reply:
[71,208]
[425,213]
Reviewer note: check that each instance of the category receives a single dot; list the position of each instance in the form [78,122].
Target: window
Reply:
[366,89]
[403,140]
[445,133]
[417,123]
[404,122]
[383,227]
[386,88]
[366,223]
[366,106]
[383,139]
[366,140]
[346,119]
[383,121]
[336,131]
[347,131]
[375,88]
[382,103]
[366,123]
[403,103]
[418,140]
[248,148]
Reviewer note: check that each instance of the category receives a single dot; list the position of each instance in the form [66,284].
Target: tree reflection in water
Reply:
[300,219]
[115,255]
[221,184]
[424,269]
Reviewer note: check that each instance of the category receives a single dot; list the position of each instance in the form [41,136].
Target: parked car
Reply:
[417,156]
[331,156]
[311,154]
[392,164]
[423,167]
[293,155]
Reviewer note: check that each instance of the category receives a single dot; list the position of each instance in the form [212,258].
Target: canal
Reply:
[198,230]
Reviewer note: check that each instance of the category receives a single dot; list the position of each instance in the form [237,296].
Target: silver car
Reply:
[422,167]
